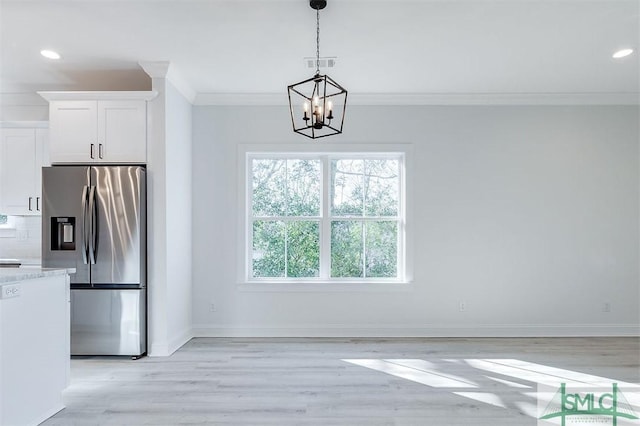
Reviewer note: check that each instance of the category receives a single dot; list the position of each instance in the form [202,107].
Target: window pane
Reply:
[303,249]
[346,187]
[382,183]
[269,187]
[381,251]
[303,187]
[288,224]
[346,249]
[268,248]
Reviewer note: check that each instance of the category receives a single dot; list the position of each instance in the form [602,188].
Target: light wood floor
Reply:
[310,382]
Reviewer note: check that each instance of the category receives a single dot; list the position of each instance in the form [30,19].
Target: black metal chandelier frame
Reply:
[318,95]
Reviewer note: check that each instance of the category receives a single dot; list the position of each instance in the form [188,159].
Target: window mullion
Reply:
[248,269]
[286,213]
[286,247]
[365,188]
[325,221]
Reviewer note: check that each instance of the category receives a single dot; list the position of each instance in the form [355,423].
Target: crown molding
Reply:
[155,69]
[175,78]
[435,99]
[164,69]
[391,99]
[22,99]
[98,95]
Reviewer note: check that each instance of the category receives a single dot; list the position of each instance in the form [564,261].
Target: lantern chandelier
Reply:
[317,104]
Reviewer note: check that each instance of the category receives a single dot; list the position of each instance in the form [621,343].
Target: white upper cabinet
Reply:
[98,127]
[74,131]
[122,131]
[23,152]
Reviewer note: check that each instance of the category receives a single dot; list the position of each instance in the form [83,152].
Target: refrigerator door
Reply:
[108,322]
[117,205]
[65,228]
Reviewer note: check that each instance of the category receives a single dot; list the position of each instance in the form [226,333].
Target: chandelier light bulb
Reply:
[622,53]
[50,54]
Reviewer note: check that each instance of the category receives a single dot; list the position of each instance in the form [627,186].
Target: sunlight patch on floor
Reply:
[430,374]
[508,383]
[411,369]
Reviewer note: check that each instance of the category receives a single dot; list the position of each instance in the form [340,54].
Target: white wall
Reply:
[15,107]
[23,239]
[169,219]
[528,214]
[178,217]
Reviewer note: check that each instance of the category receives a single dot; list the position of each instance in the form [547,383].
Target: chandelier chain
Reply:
[318,41]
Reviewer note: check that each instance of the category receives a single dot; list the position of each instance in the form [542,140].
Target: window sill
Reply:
[325,287]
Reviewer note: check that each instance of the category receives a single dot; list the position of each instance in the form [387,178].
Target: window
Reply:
[325,217]
[3,219]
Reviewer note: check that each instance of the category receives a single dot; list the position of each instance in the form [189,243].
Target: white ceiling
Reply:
[383,46]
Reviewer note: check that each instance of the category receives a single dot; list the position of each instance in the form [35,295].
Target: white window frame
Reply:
[326,152]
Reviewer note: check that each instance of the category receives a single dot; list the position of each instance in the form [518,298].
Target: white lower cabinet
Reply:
[35,354]
[23,152]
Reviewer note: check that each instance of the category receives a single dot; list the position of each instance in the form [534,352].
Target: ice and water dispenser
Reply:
[63,230]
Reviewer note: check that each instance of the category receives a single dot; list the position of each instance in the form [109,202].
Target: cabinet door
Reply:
[122,131]
[73,131]
[17,172]
[42,159]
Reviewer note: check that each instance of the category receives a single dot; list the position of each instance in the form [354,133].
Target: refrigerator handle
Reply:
[85,217]
[93,224]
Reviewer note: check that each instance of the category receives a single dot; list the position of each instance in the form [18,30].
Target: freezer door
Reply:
[65,229]
[117,249]
[108,322]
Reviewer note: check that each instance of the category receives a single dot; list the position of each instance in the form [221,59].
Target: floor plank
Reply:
[412,381]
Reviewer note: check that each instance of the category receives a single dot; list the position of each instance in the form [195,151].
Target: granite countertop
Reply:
[8,275]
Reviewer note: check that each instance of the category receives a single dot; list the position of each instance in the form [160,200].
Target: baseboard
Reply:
[482,330]
[44,416]
[167,348]
[178,341]
[158,349]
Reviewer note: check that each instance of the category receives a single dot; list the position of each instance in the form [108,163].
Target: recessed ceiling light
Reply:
[622,53]
[50,54]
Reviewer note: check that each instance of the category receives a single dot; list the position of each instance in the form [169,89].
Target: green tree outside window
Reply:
[361,217]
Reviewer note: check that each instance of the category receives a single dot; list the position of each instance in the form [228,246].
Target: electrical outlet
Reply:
[9,291]
[462,306]
[606,307]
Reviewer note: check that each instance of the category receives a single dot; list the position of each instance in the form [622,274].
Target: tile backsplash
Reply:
[24,243]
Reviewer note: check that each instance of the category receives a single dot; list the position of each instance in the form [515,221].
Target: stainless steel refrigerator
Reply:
[94,220]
